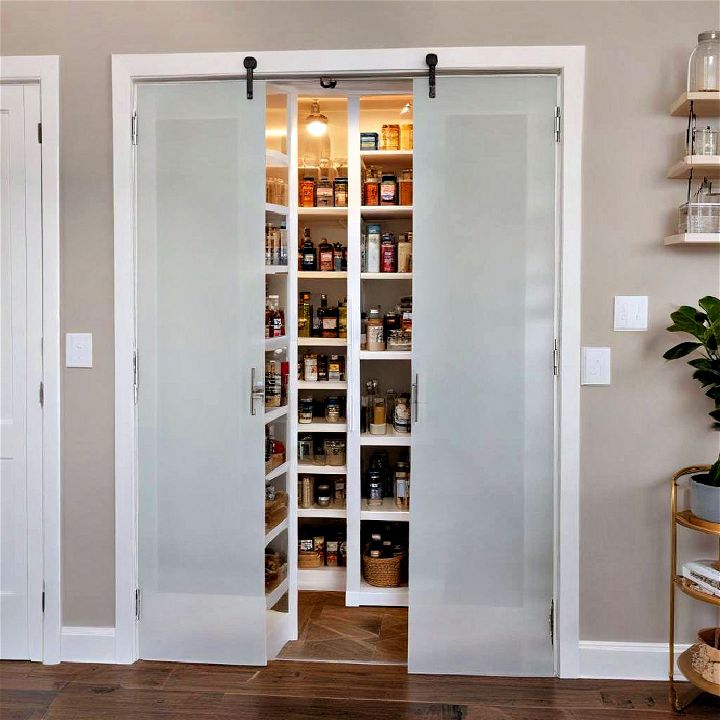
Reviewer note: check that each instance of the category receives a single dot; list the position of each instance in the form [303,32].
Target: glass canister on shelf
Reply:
[273,384]
[324,193]
[401,414]
[702,213]
[388,189]
[323,495]
[402,485]
[332,409]
[306,491]
[378,425]
[305,410]
[704,63]
[406,136]
[335,452]
[339,491]
[305,450]
[371,187]
[704,142]
[406,187]
[310,364]
[340,191]
[388,254]
[305,314]
[375,490]
[373,248]
[375,330]
[319,455]
[325,255]
[390,137]
[307,192]
[404,253]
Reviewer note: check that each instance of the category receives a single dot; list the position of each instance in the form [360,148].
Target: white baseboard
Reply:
[88,644]
[626,661]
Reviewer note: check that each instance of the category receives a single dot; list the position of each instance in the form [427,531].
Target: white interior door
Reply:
[481,531]
[20,375]
[200,292]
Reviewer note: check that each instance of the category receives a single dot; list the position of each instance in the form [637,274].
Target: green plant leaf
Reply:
[690,313]
[715,415]
[689,325]
[706,377]
[714,393]
[681,350]
[704,364]
[711,305]
[714,473]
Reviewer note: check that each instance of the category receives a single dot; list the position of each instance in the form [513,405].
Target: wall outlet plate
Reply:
[78,350]
[595,367]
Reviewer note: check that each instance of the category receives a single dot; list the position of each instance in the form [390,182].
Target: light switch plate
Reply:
[78,350]
[631,313]
[595,368]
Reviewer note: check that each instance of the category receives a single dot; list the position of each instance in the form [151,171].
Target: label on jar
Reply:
[306,545]
[400,487]
[329,324]
[324,196]
[375,335]
[334,370]
[388,191]
[376,491]
[311,369]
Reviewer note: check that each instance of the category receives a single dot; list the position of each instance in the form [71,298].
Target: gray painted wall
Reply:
[634,433]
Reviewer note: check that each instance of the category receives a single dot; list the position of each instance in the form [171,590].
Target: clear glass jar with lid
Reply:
[704,64]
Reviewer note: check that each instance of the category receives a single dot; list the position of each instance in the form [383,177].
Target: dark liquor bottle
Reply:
[308,252]
[328,318]
[326,256]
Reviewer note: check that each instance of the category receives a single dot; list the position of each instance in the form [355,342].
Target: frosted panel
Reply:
[200,186]
[481,531]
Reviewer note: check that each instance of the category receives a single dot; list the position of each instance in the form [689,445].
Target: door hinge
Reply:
[42,394]
[133,128]
[137,604]
[557,124]
[40,133]
[551,621]
[136,377]
[556,358]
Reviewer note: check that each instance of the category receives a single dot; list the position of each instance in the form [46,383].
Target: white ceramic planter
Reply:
[705,501]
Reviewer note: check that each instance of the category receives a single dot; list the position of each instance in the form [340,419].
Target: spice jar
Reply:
[388,254]
[404,253]
[305,410]
[339,492]
[388,189]
[375,331]
[311,367]
[401,414]
[324,193]
[306,491]
[406,187]
[371,187]
[332,409]
[323,495]
[340,190]
[377,424]
[406,136]
[399,340]
[307,192]
[335,452]
[373,248]
[390,137]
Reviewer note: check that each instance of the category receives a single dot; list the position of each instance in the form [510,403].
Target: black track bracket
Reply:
[249,63]
[432,60]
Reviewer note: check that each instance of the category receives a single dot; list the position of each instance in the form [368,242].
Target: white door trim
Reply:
[44,545]
[569,63]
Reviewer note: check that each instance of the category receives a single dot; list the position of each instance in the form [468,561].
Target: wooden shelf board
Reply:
[319,275]
[685,664]
[386,355]
[322,212]
[705,104]
[322,469]
[322,512]
[389,512]
[275,343]
[277,472]
[693,239]
[322,578]
[271,598]
[275,159]
[697,594]
[275,413]
[688,520]
[276,269]
[271,534]
[370,157]
[319,425]
[386,212]
[701,165]
[322,342]
[391,437]
[274,209]
[322,385]
[386,276]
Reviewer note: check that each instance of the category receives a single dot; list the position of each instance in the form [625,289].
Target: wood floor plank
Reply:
[141,675]
[22,675]
[25,704]
[208,678]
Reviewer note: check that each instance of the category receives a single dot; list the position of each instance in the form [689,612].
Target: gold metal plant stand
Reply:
[680,700]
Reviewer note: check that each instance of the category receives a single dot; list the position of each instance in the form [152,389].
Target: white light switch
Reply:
[78,350]
[596,366]
[631,312]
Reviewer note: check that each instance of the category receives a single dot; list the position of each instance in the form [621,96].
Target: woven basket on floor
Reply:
[383,572]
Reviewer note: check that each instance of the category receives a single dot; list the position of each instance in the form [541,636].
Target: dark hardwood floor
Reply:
[292,690]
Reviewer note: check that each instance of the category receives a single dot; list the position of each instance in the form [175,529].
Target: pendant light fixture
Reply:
[316,121]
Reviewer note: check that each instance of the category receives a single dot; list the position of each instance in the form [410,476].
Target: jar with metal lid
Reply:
[401,414]
[323,495]
[402,485]
[375,487]
[406,187]
[305,449]
[324,193]
[388,189]
[392,321]
[336,368]
[307,192]
[378,420]
[305,410]
[404,253]
[332,409]
[375,330]
[335,452]
[704,63]
[399,340]
[390,137]
[371,187]
[340,189]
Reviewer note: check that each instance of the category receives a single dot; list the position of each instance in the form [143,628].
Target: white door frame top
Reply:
[568,63]
[44,555]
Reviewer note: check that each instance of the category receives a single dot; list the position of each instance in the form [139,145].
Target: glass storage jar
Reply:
[305,410]
[704,142]
[332,409]
[406,187]
[702,214]
[704,63]
[305,449]
[335,452]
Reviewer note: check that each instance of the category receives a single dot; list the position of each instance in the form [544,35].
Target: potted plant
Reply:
[704,326]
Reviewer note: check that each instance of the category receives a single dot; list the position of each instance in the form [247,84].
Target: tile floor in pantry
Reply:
[327,630]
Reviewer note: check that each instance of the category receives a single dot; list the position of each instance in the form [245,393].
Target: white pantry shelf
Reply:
[274,209]
[275,343]
[370,157]
[322,275]
[386,276]
[322,385]
[322,578]
[276,269]
[306,469]
[270,535]
[694,239]
[705,104]
[385,355]
[319,425]
[277,472]
[322,512]
[274,413]
[322,342]
[386,212]
[272,598]
[389,512]
[277,631]
[387,597]
[322,213]
[391,437]
[700,165]
[275,159]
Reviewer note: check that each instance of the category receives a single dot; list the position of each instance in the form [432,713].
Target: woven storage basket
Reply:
[309,560]
[383,572]
[706,655]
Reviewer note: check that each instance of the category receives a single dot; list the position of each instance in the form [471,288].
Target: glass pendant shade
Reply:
[316,121]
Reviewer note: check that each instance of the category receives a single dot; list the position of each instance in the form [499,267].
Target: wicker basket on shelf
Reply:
[383,572]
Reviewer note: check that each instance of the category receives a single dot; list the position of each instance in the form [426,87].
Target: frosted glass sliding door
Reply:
[481,530]
[199,265]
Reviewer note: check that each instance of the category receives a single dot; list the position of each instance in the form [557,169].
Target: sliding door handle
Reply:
[414,401]
[257,390]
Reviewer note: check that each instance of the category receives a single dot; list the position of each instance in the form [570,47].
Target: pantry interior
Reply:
[338,383]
